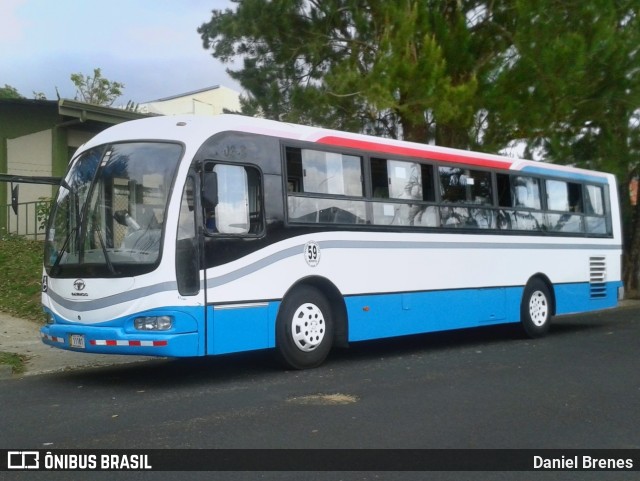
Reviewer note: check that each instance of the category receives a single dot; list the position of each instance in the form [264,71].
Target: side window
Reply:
[324,187]
[595,220]
[564,197]
[519,191]
[405,180]
[408,183]
[467,199]
[594,200]
[399,179]
[239,208]
[557,195]
[453,183]
[465,186]
[317,172]
[519,196]
[526,193]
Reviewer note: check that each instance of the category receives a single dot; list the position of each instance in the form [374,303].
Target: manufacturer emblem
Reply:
[79,285]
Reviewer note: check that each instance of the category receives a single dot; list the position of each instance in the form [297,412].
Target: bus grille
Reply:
[597,277]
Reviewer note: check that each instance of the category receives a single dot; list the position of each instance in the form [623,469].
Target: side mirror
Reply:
[14,198]
[210,190]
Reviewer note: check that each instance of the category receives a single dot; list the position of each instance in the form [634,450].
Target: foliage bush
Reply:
[21,278]
[16,361]
[43,209]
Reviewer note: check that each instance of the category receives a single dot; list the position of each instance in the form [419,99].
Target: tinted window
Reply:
[313,171]
[465,185]
[239,208]
[519,191]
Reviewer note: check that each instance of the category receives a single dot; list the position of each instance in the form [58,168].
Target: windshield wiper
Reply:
[107,259]
[56,265]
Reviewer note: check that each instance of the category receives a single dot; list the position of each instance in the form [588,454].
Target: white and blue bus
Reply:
[196,236]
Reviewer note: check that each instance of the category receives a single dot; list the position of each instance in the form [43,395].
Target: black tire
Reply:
[536,309]
[304,328]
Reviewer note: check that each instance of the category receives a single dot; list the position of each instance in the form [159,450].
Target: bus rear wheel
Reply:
[536,309]
[304,328]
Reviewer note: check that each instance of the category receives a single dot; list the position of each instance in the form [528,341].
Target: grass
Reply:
[21,277]
[20,286]
[16,361]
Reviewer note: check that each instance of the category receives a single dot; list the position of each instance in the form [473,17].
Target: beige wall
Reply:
[75,138]
[208,102]
[29,155]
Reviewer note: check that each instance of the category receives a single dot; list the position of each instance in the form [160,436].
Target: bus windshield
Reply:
[108,217]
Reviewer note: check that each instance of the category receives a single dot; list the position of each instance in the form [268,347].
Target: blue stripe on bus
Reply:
[242,327]
[568,175]
[183,340]
[251,326]
[390,315]
[584,297]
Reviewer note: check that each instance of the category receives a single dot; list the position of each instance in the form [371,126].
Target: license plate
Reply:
[77,341]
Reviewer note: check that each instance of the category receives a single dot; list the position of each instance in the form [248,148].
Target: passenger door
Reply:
[189,276]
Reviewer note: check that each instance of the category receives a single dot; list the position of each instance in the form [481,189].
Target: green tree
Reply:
[96,90]
[405,68]
[9,92]
[560,76]
[569,88]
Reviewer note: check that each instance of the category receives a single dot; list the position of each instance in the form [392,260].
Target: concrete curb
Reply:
[21,336]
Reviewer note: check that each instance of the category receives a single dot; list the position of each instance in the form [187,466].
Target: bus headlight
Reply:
[153,323]
[49,318]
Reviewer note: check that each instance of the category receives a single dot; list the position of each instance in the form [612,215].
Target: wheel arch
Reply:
[336,301]
[543,278]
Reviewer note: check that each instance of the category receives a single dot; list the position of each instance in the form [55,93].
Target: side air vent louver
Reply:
[597,277]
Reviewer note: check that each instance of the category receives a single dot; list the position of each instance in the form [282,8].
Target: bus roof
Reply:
[196,129]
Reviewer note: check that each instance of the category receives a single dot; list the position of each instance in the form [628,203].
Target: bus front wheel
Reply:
[304,328]
[536,309]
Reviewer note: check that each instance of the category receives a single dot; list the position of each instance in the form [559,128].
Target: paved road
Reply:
[486,388]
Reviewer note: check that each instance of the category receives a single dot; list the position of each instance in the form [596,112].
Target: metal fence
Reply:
[30,220]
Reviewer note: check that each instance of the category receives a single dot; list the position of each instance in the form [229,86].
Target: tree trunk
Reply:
[452,136]
[631,268]
[415,131]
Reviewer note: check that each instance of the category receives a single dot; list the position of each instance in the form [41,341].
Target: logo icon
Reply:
[79,285]
[23,460]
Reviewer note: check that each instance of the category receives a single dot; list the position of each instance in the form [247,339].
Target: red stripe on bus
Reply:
[413,152]
[135,343]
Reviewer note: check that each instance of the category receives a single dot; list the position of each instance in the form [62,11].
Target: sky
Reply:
[151,46]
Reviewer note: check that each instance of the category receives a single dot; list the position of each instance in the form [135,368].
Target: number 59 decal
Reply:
[312,253]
